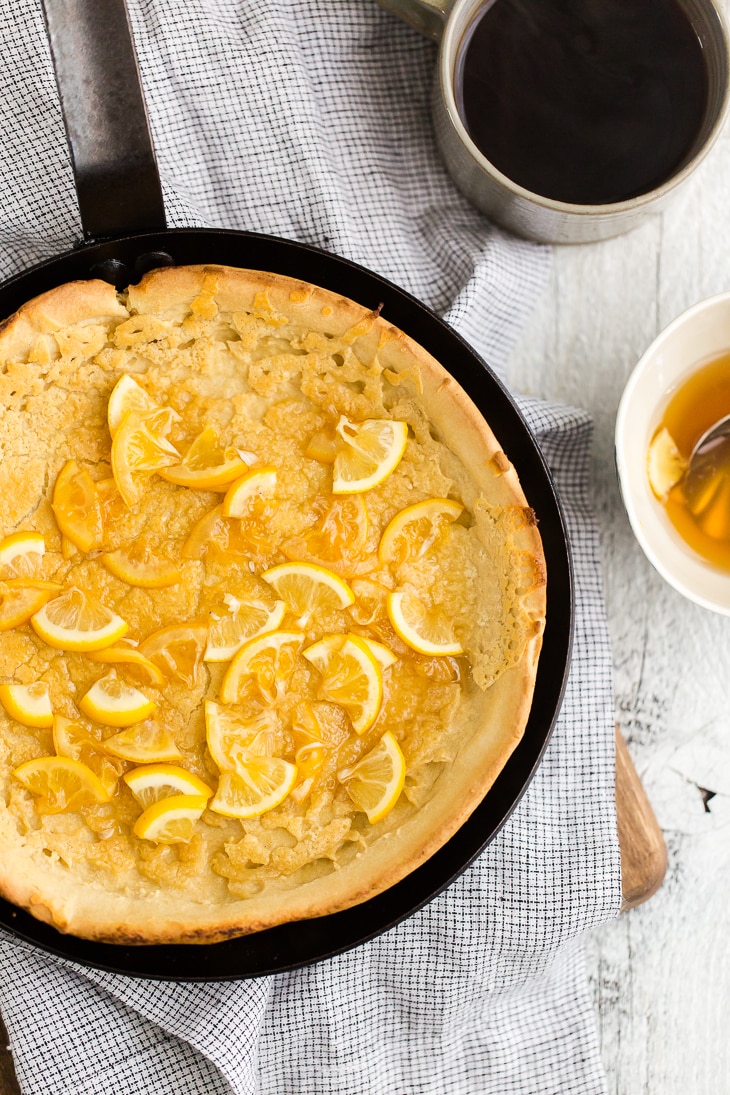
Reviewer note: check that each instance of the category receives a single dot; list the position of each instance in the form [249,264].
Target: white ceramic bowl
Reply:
[699,334]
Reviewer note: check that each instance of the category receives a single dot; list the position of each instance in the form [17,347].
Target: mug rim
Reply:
[450,42]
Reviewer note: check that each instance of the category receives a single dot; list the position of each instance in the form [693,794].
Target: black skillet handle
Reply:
[109,137]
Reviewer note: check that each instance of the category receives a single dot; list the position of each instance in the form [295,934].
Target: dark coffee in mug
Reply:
[584,101]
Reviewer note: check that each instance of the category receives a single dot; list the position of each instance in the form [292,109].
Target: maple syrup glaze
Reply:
[589,102]
[696,405]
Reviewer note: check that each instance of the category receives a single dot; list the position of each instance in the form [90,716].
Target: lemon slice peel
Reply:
[351,677]
[150,783]
[29,704]
[76,621]
[307,588]
[371,452]
[171,820]
[113,702]
[376,781]
[412,623]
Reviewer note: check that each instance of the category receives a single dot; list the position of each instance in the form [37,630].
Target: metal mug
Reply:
[523,212]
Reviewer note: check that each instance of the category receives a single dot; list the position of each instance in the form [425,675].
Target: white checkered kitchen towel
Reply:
[310,119]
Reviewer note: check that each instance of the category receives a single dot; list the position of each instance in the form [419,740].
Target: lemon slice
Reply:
[383,655]
[177,650]
[372,450]
[205,532]
[76,621]
[308,588]
[254,788]
[145,743]
[134,661]
[374,784]
[21,598]
[75,740]
[242,495]
[21,553]
[116,703]
[262,668]
[138,566]
[338,540]
[322,446]
[153,782]
[206,465]
[423,629]
[416,529]
[245,620]
[128,395]
[171,820]
[28,703]
[665,464]
[139,449]
[77,508]
[351,677]
[71,736]
[61,783]
[233,737]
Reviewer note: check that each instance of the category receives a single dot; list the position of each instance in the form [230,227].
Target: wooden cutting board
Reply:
[643,864]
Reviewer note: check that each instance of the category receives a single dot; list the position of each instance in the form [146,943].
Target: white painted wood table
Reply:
[661,973]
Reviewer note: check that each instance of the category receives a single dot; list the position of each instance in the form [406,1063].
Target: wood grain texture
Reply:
[660,976]
[643,849]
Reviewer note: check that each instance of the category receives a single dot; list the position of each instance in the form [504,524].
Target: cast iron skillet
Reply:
[126,235]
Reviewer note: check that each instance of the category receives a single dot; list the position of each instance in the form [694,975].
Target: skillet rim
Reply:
[300,943]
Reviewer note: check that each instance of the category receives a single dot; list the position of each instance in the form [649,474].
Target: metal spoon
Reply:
[707,469]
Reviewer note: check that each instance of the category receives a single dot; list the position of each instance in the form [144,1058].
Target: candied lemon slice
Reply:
[262,668]
[322,446]
[21,553]
[28,703]
[77,621]
[77,508]
[372,451]
[665,463]
[338,539]
[375,783]
[22,598]
[70,736]
[245,620]
[145,743]
[133,659]
[128,395]
[62,784]
[177,649]
[308,588]
[153,782]
[351,677]
[232,737]
[383,655]
[116,703]
[206,465]
[425,630]
[204,533]
[139,449]
[241,496]
[138,566]
[254,788]
[416,529]
[171,820]
[74,739]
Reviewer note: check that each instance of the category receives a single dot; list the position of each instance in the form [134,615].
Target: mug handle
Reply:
[428,16]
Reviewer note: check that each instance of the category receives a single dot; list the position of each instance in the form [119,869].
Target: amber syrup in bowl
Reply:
[592,102]
[702,515]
